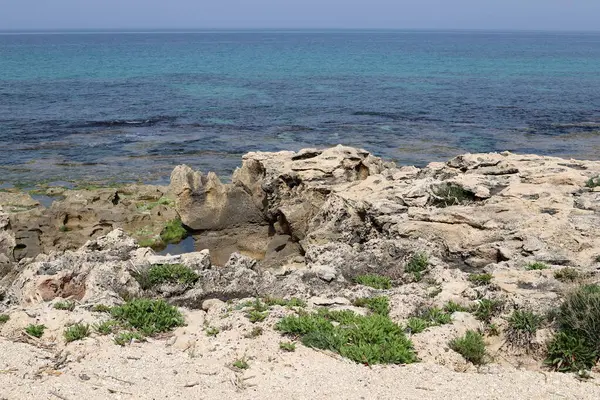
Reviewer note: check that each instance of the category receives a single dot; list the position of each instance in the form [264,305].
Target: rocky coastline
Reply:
[462,246]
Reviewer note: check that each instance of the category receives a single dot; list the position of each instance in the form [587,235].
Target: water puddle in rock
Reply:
[187,245]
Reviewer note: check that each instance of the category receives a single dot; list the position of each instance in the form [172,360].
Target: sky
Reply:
[230,14]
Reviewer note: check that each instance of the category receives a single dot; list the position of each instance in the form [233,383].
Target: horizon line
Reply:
[242,29]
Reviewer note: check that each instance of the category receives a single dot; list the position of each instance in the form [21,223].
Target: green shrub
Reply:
[241,363]
[593,182]
[124,338]
[567,274]
[35,330]
[166,273]
[536,266]
[173,232]
[580,314]
[374,281]
[101,308]
[287,346]
[417,265]
[471,347]
[446,195]
[68,305]
[452,307]
[480,279]
[106,327]
[522,326]
[485,309]
[256,316]
[379,305]
[148,316]
[293,302]
[416,325]
[570,353]
[4,318]
[211,331]
[372,339]
[76,332]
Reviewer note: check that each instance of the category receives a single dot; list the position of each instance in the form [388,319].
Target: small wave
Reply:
[413,117]
[125,122]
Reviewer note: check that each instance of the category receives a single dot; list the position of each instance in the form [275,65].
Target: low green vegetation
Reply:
[536,266]
[522,326]
[480,279]
[256,316]
[76,332]
[101,308]
[293,302]
[567,274]
[593,182]
[149,317]
[374,281]
[485,309]
[471,346]
[426,318]
[163,201]
[417,265]
[64,228]
[166,273]
[173,232]
[4,318]
[372,339]
[68,305]
[106,327]
[452,307]
[450,195]
[287,346]
[212,331]
[378,305]
[577,343]
[124,338]
[241,363]
[35,330]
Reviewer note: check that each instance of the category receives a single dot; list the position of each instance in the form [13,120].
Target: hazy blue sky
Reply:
[402,14]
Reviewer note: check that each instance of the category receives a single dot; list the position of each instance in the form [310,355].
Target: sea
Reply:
[129,106]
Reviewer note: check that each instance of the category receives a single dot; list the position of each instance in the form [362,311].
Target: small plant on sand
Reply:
[106,327]
[257,316]
[567,274]
[480,279]
[241,363]
[451,194]
[76,332]
[287,346]
[536,266]
[4,318]
[68,305]
[35,330]
[372,339]
[125,338]
[173,232]
[293,302]
[593,182]
[254,333]
[452,307]
[471,347]
[492,330]
[374,281]
[416,325]
[211,331]
[417,265]
[64,228]
[485,309]
[148,316]
[166,273]
[522,326]
[101,308]
[378,305]
[577,343]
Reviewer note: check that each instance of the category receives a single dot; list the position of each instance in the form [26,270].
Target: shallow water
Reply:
[129,107]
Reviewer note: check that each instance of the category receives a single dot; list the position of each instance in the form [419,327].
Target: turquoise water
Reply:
[131,106]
